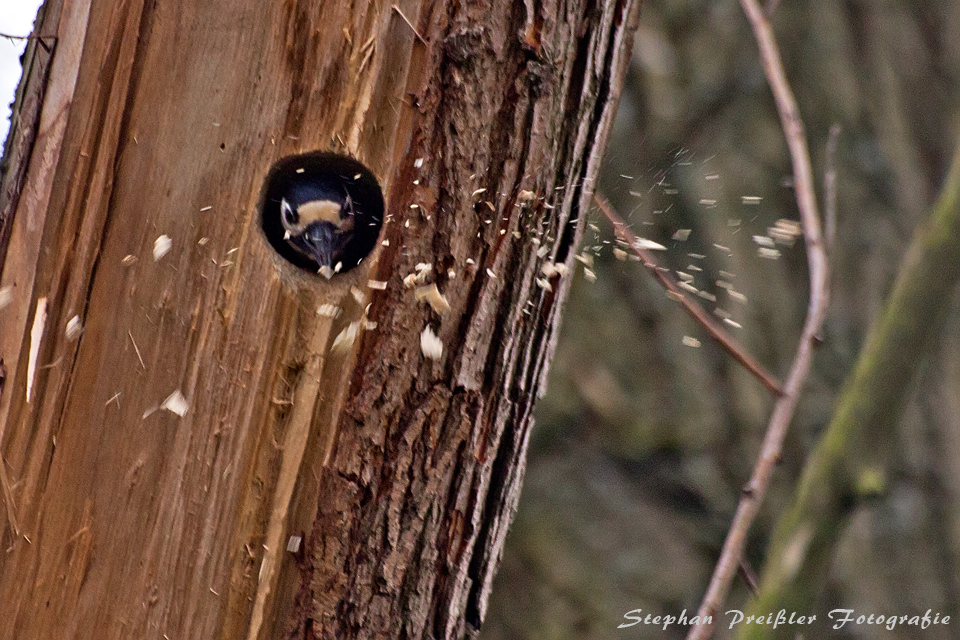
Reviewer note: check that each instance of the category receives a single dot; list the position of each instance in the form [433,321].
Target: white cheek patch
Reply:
[319,211]
[288,219]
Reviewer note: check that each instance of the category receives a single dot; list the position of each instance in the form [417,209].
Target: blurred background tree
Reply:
[644,441]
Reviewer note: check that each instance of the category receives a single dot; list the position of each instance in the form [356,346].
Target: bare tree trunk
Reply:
[484,124]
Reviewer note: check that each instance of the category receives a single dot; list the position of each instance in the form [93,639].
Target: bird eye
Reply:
[286,212]
[296,181]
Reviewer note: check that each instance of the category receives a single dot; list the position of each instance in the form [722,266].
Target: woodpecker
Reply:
[322,212]
[319,223]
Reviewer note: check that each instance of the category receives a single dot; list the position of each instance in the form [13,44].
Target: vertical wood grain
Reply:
[137,522]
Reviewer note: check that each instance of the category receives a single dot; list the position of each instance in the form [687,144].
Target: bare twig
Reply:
[695,311]
[830,189]
[45,41]
[749,576]
[32,36]
[817,260]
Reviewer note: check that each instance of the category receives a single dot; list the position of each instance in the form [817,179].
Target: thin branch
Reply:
[32,36]
[728,342]
[784,406]
[749,576]
[853,456]
[42,39]
[830,188]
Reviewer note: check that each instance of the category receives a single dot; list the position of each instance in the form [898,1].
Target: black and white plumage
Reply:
[323,212]
[319,225]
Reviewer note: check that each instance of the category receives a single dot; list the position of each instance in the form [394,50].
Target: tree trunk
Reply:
[399,472]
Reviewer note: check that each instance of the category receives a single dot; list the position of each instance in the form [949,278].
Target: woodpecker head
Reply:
[322,212]
[320,227]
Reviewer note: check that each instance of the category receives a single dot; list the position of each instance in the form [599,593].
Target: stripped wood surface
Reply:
[399,472]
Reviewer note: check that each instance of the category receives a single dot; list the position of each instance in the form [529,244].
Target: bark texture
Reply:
[399,472]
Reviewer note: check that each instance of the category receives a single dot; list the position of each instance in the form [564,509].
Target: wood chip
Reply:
[785,231]
[550,269]
[434,298]
[770,254]
[74,326]
[346,337]
[524,198]
[293,544]
[419,276]
[161,246]
[585,259]
[643,243]
[430,344]
[175,403]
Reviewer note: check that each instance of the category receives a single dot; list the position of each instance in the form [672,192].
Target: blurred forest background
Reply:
[643,443]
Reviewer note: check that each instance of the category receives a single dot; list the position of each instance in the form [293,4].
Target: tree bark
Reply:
[399,472]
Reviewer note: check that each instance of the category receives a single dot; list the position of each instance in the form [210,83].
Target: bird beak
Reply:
[321,249]
[320,240]
[322,253]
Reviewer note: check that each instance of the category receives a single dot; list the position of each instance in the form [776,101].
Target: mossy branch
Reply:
[851,461]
